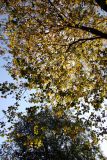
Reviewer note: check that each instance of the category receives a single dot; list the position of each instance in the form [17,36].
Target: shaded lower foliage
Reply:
[43,136]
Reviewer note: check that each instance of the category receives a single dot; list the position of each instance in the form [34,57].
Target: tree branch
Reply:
[82,40]
[94,31]
[90,30]
[60,15]
[84,28]
[102,4]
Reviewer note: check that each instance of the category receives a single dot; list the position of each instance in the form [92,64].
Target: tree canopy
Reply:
[44,136]
[59,49]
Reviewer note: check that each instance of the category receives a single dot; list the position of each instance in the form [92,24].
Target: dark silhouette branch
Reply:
[84,28]
[81,40]
[90,30]
[94,31]
[102,4]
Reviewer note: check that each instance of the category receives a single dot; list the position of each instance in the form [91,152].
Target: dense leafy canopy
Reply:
[43,136]
[59,49]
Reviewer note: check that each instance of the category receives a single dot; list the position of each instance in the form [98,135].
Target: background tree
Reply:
[43,136]
[60,49]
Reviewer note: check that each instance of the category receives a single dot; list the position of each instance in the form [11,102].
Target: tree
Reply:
[59,48]
[43,136]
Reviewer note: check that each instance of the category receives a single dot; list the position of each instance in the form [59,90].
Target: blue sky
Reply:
[5,102]
[4,76]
